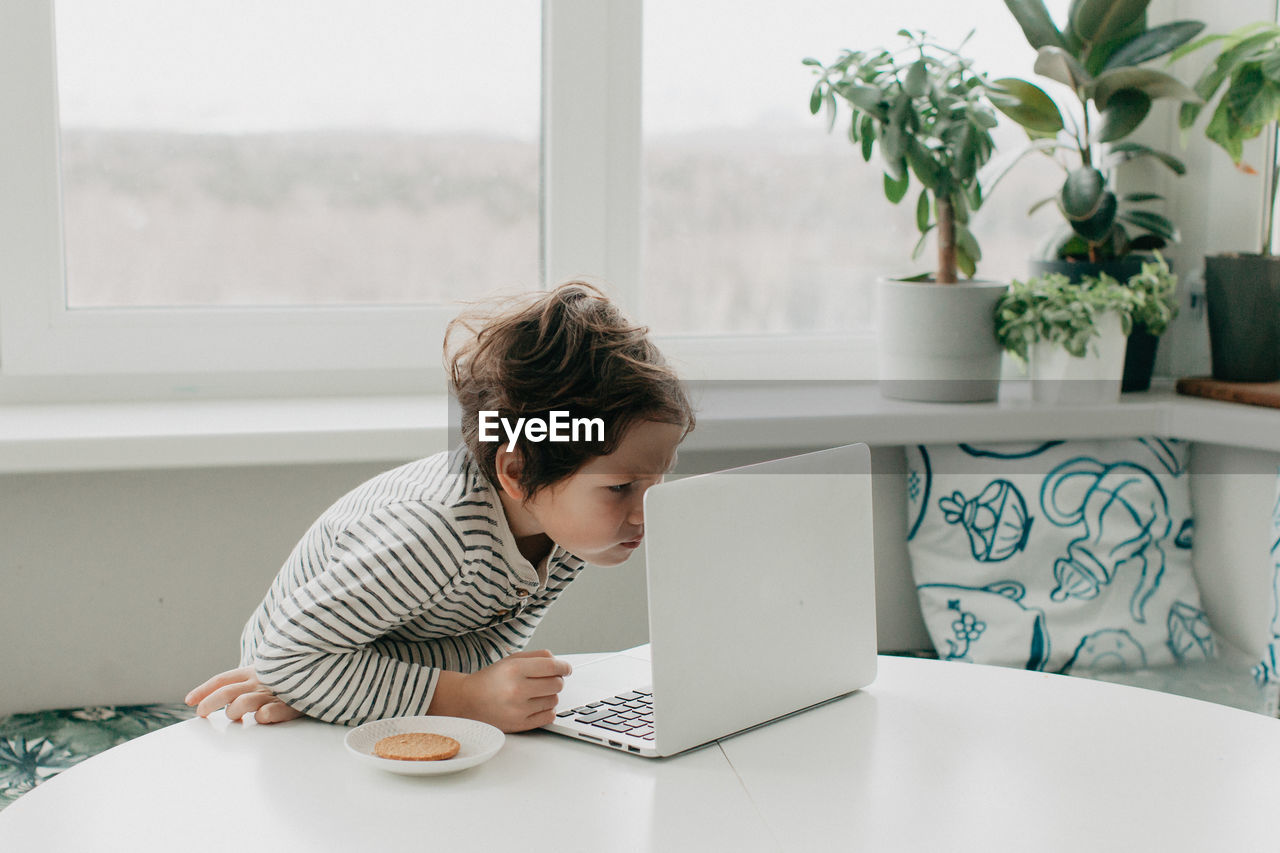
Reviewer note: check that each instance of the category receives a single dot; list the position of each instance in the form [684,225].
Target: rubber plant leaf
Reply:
[1082,193]
[1056,64]
[1125,111]
[1154,43]
[1027,104]
[1096,227]
[1154,84]
[1096,21]
[1036,24]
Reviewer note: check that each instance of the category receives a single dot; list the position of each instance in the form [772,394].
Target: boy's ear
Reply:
[508,466]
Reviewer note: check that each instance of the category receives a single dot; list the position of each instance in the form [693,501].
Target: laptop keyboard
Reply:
[628,713]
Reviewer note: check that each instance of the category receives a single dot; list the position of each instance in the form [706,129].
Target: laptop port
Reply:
[614,743]
[634,748]
[589,737]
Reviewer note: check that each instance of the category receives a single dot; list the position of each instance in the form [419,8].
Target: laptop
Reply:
[761,588]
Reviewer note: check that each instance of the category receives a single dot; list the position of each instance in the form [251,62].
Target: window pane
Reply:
[298,152]
[757,219]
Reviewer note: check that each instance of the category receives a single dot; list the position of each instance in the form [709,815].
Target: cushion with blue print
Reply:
[1268,669]
[1056,555]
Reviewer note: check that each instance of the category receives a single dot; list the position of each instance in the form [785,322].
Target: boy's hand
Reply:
[515,694]
[240,692]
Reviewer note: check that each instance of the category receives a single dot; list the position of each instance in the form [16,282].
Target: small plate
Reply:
[480,742]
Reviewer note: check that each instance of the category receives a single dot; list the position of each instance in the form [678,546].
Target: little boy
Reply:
[417,592]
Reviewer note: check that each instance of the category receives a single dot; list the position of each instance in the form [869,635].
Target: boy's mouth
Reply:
[632,543]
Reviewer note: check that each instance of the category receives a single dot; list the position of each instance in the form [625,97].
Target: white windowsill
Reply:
[156,435]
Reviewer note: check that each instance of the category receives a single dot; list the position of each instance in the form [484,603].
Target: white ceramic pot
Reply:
[937,342]
[1057,376]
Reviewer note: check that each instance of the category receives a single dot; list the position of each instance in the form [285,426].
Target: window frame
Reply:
[591,215]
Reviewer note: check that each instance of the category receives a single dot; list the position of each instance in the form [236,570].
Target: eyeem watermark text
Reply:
[557,426]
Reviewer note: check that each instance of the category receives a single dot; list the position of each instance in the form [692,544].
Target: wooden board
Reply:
[1252,393]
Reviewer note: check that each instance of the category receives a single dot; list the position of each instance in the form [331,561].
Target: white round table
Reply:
[932,756]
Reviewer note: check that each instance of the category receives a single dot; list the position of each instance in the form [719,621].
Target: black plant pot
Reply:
[1242,300]
[1140,352]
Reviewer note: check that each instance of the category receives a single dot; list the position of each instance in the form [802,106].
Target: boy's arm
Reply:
[240,692]
[320,653]
[515,694]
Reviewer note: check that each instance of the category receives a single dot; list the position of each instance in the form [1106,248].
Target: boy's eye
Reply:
[621,488]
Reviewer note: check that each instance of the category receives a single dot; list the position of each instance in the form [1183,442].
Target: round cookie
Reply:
[417,746]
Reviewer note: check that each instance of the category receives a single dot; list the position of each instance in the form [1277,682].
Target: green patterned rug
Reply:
[36,747]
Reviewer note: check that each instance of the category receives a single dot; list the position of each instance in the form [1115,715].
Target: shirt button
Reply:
[522,593]
[502,614]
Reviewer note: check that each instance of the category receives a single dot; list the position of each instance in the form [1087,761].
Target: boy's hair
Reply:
[567,349]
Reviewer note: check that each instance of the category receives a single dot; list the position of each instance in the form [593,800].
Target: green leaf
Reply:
[1096,227]
[1137,197]
[1154,84]
[895,190]
[1096,21]
[965,262]
[974,192]
[917,81]
[1153,222]
[1056,64]
[1187,115]
[815,99]
[927,169]
[967,243]
[868,134]
[1188,49]
[1222,130]
[919,247]
[867,98]
[1155,42]
[1125,111]
[922,212]
[1027,104]
[893,145]
[960,208]
[966,153]
[1234,54]
[1082,193]
[1037,26]
[1123,152]
[1252,100]
[1041,203]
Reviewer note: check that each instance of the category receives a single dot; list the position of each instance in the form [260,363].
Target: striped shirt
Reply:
[413,572]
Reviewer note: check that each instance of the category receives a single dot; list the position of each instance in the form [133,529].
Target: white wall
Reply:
[132,587]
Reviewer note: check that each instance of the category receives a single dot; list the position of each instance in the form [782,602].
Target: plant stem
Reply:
[1086,147]
[1086,154]
[946,239]
[1272,181]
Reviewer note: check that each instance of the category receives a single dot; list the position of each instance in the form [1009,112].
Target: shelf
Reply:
[731,416]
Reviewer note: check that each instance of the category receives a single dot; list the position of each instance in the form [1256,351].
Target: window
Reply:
[252,154]
[236,197]
[226,197]
[756,219]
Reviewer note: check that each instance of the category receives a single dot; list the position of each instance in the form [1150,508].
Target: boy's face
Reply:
[597,513]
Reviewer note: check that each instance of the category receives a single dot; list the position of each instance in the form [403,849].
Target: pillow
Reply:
[1057,555]
[1268,669]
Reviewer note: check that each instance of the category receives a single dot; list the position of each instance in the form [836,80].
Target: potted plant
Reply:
[1242,291]
[1070,334]
[1101,56]
[927,112]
